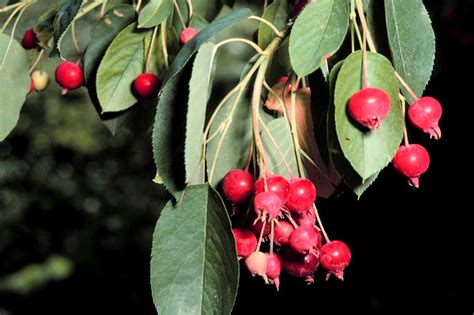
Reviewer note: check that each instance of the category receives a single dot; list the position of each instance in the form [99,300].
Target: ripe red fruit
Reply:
[277,184]
[335,257]
[187,34]
[300,266]
[256,225]
[69,75]
[273,271]
[238,186]
[267,204]
[411,161]
[256,263]
[369,107]
[307,218]
[302,195]
[306,240]
[425,114]
[245,242]
[282,232]
[32,87]
[147,85]
[29,40]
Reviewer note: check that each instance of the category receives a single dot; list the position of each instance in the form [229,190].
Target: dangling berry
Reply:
[69,75]
[29,40]
[32,87]
[256,225]
[300,266]
[302,195]
[40,80]
[256,263]
[245,242]
[411,161]
[282,232]
[335,257]
[147,85]
[267,204]
[369,107]
[277,184]
[273,271]
[306,240]
[307,218]
[238,186]
[187,34]
[425,114]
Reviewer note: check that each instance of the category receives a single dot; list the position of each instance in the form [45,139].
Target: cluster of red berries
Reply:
[283,213]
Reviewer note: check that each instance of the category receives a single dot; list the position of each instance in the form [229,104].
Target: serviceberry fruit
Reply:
[273,270]
[147,85]
[256,225]
[306,240]
[369,107]
[187,34]
[411,161]
[40,80]
[256,263]
[238,186]
[282,232]
[425,114]
[267,204]
[277,184]
[302,195]
[307,218]
[69,75]
[335,256]
[300,266]
[245,242]
[29,40]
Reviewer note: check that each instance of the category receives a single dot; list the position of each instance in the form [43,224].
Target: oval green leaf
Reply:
[155,12]
[277,14]
[62,22]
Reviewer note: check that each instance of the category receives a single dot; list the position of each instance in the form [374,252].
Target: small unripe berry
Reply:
[40,80]
[238,186]
[29,40]
[256,263]
[425,114]
[335,257]
[147,85]
[369,107]
[187,34]
[411,161]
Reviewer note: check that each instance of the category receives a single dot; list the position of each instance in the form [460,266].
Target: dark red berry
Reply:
[187,34]
[277,184]
[302,195]
[267,205]
[335,257]
[147,85]
[300,266]
[305,240]
[238,186]
[69,75]
[412,161]
[256,263]
[369,107]
[245,242]
[256,225]
[425,114]
[282,232]
[29,40]
[307,218]
[273,271]
[298,8]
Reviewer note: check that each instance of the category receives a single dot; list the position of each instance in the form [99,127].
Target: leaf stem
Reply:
[180,15]
[10,42]
[74,38]
[269,24]
[86,9]
[365,28]
[406,86]
[37,60]
[10,17]
[190,6]
[241,40]
[163,43]
[150,50]
[294,130]
[139,4]
[10,7]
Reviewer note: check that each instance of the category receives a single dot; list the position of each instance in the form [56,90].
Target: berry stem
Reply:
[320,223]
[290,218]
[180,15]
[294,128]
[365,28]
[268,23]
[364,61]
[10,18]
[10,7]
[405,130]
[37,60]
[88,8]
[272,235]
[139,4]
[249,159]
[150,50]
[406,86]
[163,43]
[22,9]
[190,7]
[74,38]
[260,238]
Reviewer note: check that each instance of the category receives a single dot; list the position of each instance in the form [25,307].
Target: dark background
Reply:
[69,189]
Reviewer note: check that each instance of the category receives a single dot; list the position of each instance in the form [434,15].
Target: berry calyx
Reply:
[267,205]
[306,240]
[245,242]
[69,75]
[187,34]
[257,224]
[335,257]
[29,40]
[256,263]
[425,114]
[282,232]
[369,107]
[238,186]
[302,195]
[273,270]
[275,183]
[147,85]
[300,266]
[40,80]
[412,161]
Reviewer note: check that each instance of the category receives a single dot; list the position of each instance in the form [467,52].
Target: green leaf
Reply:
[122,63]
[114,21]
[199,92]
[44,29]
[412,42]
[14,83]
[155,12]
[276,13]
[62,22]
[198,22]
[194,267]
[318,31]
[368,151]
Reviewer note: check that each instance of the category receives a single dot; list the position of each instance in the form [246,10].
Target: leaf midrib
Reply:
[397,35]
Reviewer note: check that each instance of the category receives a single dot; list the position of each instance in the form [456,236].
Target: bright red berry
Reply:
[335,257]
[307,218]
[425,114]
[282,232]
[245,242]
[305,240]
[273,271]
[302,195]
[147,85]
[267,204]
[256,263]
[369,107]
[300,266]
[411,161]
[69,75]
[238,186]
[187,34]
[29,40]
[277,184]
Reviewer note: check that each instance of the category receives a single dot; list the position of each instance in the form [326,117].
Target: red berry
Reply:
[256,263]
[307,218]
[335,257]
[285,80]
[32,87]
[245,242]
[256,225]
[298,8]
[267,204]
[305,240]
[425,114]
[276,183]
[147,85]
[29,40]
[273,271]
[69,75]
[300,266]
[369,107]
[238,186]
[187,34]
[411,161]
[282,232]
[302,195]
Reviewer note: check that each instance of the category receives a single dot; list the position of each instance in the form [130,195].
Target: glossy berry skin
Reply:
[411,161]
[425,114]
[245,242]
[69,75]
[256,263]
[305,240]
[29,40]
[300,266]
[276,183]
[274,267]
[267,205]
[147,85]
[369,107]
[302,195]
[282,232]
[238,186]
[187,34]
[335,256]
